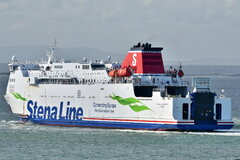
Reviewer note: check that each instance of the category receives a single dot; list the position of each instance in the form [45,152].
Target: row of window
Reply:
[85,66]
[12,80]
[93,66]
[58,81]
[78,96]
[50,74]
[69,81]
[43,96]
[58,67]
[96,73]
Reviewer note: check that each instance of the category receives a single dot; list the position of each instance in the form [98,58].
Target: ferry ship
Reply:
[136,94]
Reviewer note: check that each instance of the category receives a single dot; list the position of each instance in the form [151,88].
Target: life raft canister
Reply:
[180,73]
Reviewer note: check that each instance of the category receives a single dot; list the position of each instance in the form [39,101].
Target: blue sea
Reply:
[29,141]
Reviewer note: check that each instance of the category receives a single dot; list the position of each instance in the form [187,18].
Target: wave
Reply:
[231,132]
[33,128]
[16,125]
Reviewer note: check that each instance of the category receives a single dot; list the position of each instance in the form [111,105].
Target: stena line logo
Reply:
[134,62]
[62,112]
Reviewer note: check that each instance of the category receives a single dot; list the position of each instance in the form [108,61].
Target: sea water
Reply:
[29,141]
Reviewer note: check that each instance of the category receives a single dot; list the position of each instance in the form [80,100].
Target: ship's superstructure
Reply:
[138,94]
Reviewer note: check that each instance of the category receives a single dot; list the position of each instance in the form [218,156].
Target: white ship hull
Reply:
[92,106]
[92,95]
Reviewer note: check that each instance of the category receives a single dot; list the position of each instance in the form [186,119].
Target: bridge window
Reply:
[58,67]
[218,111]
[98,66]
[185,111]
[85,66]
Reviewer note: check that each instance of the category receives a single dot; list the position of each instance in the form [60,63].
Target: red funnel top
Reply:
[144,59]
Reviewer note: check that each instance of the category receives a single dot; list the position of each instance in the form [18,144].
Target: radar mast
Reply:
[51,51]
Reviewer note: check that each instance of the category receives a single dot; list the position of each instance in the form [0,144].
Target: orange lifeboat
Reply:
[113,73]
[124,72]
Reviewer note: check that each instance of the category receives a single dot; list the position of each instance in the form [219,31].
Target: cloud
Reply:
[3,5]
[146,2]
[230,3]
[113,11]
[192,27]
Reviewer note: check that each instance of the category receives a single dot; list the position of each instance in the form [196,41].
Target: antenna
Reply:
[84,59]
[109,58]
[222,91]
[180,64]
[14,60]
[51,52]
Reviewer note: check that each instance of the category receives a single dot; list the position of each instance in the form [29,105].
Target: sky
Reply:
[187,29]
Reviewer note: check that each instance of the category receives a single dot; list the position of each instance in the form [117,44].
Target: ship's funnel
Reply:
[143,58]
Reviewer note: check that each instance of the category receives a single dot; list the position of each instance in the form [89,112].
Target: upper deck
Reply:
[142,67]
